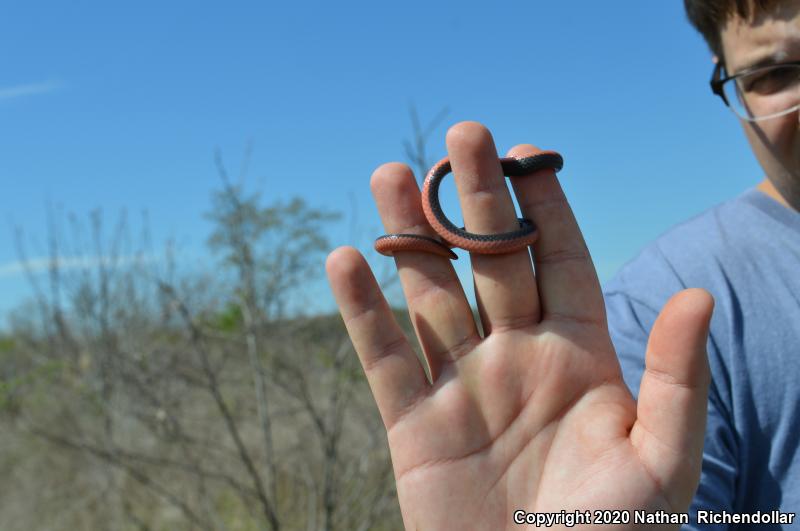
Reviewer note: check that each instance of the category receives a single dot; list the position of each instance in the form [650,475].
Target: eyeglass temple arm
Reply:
[716,81]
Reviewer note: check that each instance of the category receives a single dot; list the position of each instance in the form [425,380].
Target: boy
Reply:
[532,421]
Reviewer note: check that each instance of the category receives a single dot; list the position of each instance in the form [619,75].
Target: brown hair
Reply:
[710,16]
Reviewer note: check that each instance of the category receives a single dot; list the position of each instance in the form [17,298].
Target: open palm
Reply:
[533,415]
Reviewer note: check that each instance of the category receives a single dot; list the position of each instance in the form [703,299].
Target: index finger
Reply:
[565,275]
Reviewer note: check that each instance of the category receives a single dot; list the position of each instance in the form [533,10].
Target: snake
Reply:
[449,235]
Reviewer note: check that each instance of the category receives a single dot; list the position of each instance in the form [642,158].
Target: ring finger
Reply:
[437,304]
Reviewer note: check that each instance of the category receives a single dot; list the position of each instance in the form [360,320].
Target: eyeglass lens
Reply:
[764,92]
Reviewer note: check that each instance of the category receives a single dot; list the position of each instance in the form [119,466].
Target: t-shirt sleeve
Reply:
[632,305]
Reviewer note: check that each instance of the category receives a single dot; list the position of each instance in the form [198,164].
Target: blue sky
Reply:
[118,106]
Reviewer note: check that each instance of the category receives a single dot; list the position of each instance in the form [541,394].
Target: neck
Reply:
[768,188]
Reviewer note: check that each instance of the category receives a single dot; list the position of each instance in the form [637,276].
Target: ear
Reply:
[715,59]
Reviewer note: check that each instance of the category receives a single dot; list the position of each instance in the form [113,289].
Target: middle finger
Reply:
[505,287]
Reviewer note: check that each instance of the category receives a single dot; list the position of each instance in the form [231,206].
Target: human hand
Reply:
[535,415]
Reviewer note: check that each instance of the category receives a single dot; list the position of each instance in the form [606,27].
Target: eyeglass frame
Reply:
[717,81]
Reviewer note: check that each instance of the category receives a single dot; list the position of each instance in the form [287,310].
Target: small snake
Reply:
[452,236]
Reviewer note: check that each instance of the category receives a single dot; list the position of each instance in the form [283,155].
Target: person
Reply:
[615,410]
[746,253]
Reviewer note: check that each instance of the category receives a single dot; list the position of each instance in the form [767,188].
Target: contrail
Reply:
[38,265]
[28,90]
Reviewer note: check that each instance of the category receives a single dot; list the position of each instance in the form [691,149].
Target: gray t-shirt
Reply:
[746,253]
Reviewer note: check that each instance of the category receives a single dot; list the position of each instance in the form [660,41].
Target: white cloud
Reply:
[28,90]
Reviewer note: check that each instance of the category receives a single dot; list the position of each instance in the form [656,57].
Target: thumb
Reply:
[671,411]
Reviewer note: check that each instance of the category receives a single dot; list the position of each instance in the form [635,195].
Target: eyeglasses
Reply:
[759,93]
